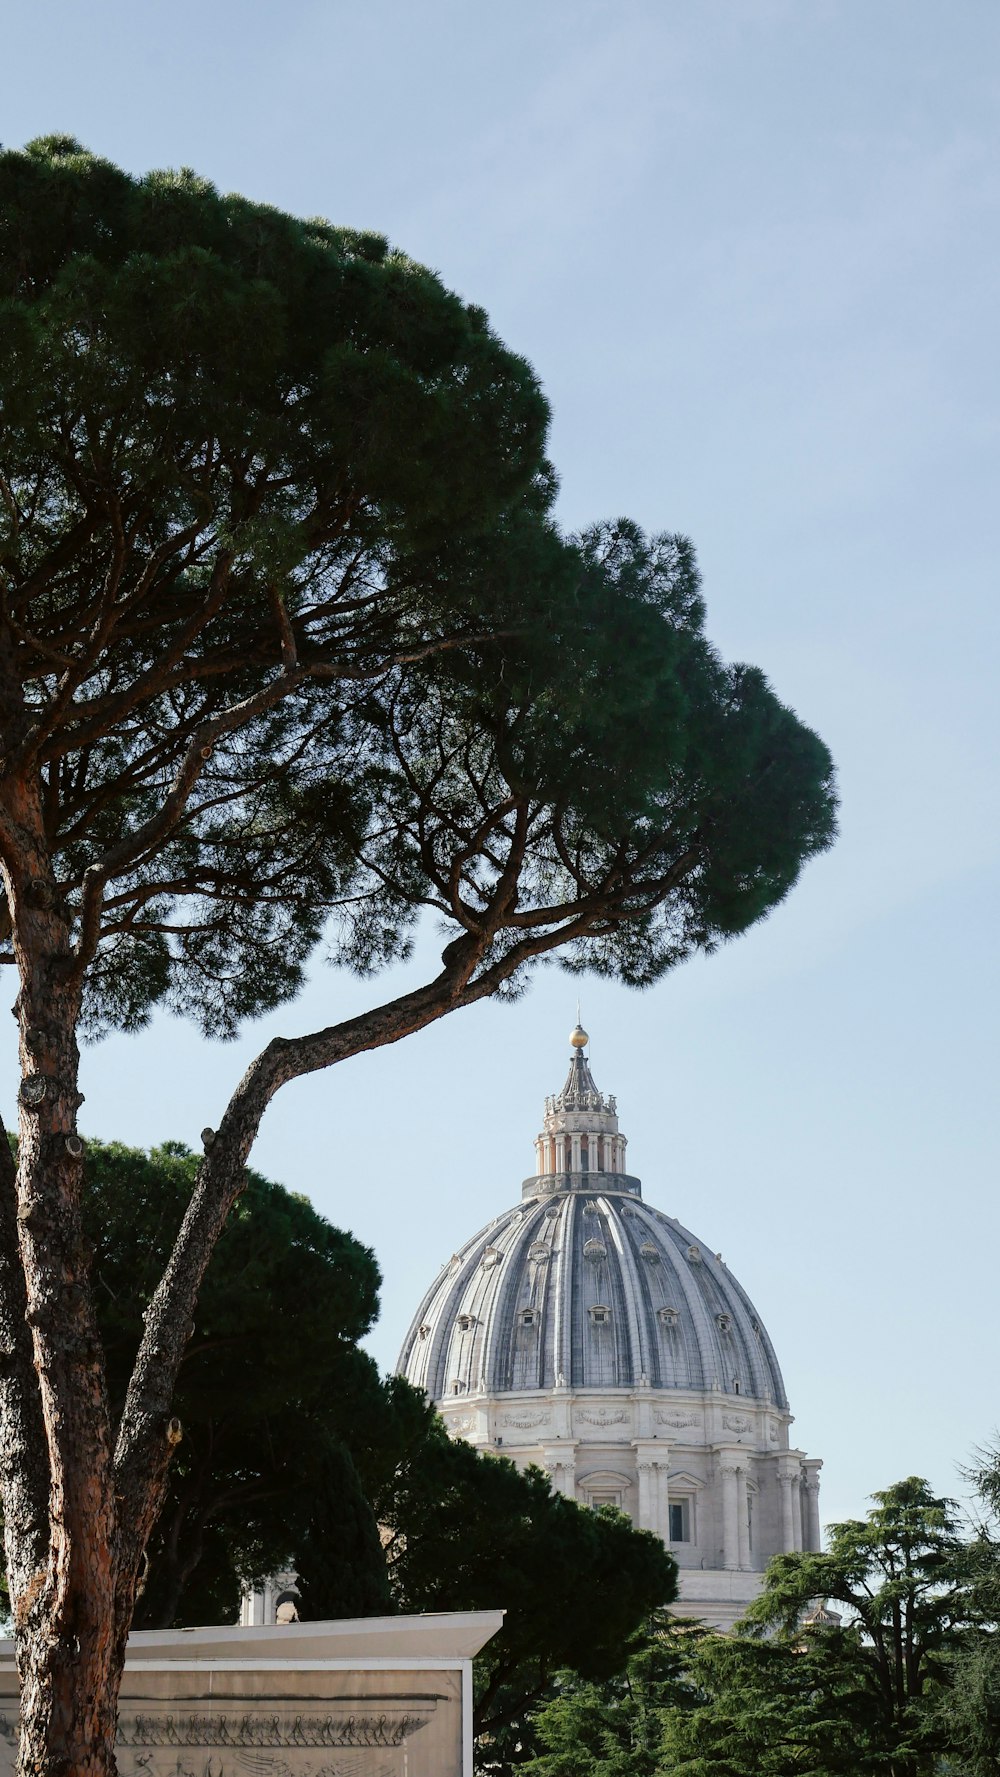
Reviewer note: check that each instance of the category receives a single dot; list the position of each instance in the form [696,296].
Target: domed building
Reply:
[587,1332]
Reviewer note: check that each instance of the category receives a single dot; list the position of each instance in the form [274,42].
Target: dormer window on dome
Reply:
[599,1314]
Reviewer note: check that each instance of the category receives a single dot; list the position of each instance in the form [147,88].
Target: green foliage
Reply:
[967,1713]
[902,1574]
[858,1697]
[232,440]
[968,1710]
[806,1708]
[273,1391]
[469,1532]
[694,1704]
[166,316]
[212,410]
[620,1728]
[294,1450]
[905,1685]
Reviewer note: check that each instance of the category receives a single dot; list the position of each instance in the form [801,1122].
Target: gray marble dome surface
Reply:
[584,1285]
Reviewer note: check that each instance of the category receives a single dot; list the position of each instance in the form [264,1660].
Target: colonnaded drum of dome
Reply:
[593,1335]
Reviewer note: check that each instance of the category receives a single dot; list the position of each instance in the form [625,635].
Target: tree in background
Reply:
[289,646]
[709,1705]
[280,1407]
[293,1444]
[619,1728]
[968,1711]
[465,1531]
[833,1699]
[801,1707]
[785,1696]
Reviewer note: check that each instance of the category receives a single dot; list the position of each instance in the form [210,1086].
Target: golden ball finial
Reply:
[579,1037]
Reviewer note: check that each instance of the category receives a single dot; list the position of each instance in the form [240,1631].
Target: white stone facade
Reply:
[740,1493]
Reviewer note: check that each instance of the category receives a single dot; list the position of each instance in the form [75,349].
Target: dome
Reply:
[584,1285]
[589,1333]
[590,1289]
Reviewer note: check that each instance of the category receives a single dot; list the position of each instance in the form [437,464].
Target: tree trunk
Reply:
[69,1710]
[62,1581]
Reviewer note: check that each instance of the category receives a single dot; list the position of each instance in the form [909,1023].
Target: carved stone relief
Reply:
[281,1724]
[602,1416]
[664,1417]
[524,1421]
[736,1422]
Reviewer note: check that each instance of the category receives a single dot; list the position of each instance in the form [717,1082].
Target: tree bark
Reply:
[61,1566]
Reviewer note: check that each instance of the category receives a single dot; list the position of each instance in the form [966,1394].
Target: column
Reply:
[561,1153]
[653,1464]
[561,1466]
[575,1163]
[730,1517]
[797,1512]
[663,1495]
[743,1520]
[785,1482]
[646,1511]
[813,1535]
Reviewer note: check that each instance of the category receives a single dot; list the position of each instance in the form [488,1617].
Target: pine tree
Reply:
[291,650]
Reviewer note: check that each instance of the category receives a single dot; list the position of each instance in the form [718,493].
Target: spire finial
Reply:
[578,1037]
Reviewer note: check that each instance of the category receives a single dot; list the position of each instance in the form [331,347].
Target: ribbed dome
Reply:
[588,1289]
[583,1285]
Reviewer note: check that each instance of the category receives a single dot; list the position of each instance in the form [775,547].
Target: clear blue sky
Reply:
[752,250]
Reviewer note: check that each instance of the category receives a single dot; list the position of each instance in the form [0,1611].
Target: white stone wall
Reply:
[725,1459]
